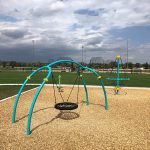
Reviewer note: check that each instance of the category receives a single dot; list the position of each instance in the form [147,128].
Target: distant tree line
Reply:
[12,64]
[113,65]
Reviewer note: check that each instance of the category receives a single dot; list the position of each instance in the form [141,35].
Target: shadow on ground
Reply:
[33,113]
[65,115]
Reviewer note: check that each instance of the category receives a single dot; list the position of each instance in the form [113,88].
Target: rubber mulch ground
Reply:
[126,125]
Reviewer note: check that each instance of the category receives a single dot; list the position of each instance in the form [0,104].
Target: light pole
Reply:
[85,56]
[33,50]
[82,53]
[127,53]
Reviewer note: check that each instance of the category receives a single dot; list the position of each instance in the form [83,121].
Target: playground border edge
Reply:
[69,85]
[8,98]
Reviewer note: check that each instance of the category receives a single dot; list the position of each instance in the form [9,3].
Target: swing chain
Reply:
[77,79]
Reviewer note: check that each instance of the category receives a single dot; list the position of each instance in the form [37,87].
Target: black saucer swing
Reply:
[65,105]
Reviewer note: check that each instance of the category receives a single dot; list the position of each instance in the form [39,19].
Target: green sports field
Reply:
[7,77]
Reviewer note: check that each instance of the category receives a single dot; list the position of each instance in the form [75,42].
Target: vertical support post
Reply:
[84,84]
[86,92]
[16,101]
[127,54]
[118,72]
[82,54]
[21,89]
[105,95]
[59,80]
[102,84]
[34,101]
[32,107]
[118,75]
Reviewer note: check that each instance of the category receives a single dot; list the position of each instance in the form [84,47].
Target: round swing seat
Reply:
[66,106]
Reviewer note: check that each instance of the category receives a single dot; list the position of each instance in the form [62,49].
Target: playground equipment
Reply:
[65,105]
[60,88]
[118,79]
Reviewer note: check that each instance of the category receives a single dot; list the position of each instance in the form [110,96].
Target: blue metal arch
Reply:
[48,67]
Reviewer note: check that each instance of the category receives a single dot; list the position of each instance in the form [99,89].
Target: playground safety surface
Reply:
[126,125]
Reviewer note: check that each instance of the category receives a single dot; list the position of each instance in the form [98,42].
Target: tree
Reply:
[12,64]
[130,65]
[4,64]
[112,64]
[137,65]
[146,66]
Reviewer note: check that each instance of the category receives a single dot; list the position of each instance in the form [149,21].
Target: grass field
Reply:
[11,90]
[136,80]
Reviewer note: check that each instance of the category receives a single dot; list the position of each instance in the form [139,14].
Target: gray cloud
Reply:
[15,34]
[58,31]
[94,40]
[42,52]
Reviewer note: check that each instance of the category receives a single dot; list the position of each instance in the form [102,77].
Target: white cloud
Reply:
[50,22]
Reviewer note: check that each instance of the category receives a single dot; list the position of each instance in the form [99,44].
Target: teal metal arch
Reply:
[21,89]
[48,67]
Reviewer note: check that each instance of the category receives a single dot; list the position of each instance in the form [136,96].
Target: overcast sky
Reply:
[60,27]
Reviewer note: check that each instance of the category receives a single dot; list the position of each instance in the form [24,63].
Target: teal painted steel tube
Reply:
[16,101]
[20,91]
[67,61]
[118,75]
[118,71]
[34,101]
[105,95]
[41,68]
[103,87]
[32,107]
[118,79]
[102,84]
[86,92]
[93,71]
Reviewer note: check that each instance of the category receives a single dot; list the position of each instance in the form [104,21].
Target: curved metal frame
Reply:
[48,67]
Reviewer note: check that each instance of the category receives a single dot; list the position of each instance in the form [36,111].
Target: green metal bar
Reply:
[33,103]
